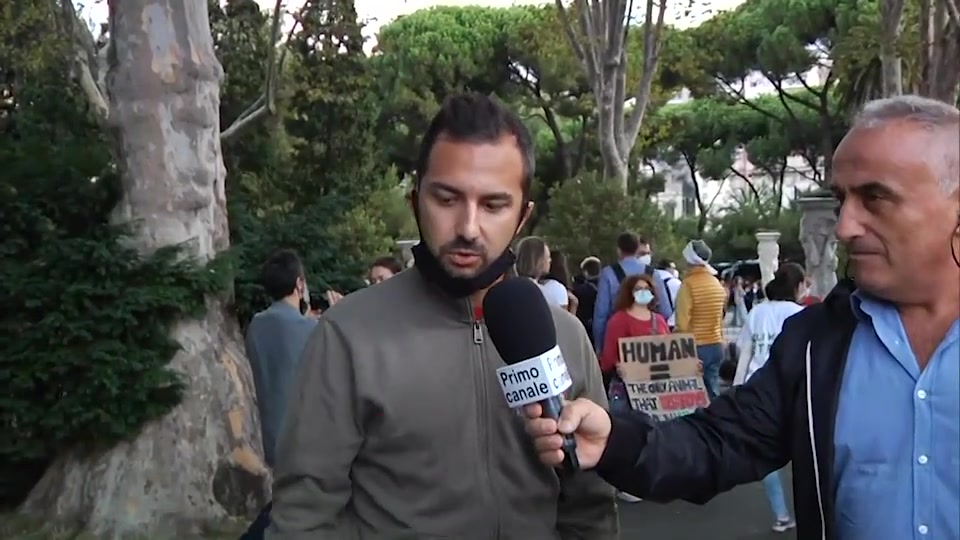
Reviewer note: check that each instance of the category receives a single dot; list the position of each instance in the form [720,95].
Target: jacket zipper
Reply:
[477,334]
[813,446]
[483,414]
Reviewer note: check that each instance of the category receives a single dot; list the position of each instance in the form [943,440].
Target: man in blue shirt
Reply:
[634,257]
[862,391]
[275,340]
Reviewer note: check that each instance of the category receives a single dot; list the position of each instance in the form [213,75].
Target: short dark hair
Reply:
[666,264]
[785,283]
[629,242]
[388,262]
[280,273]
[477,118]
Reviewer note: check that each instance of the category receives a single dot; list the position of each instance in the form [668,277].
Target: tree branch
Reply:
[620,33]
[587,58]
[746,180]
[84,55]
[651,56]
[742,98]
[265,105]
[953,8]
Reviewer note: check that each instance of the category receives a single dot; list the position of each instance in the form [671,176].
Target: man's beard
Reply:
[460,286]
[466,246]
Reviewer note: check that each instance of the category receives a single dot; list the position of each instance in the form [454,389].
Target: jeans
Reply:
[712,358]
[258,529]
[617,396]
[778,502]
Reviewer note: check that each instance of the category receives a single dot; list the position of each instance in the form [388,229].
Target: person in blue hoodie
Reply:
[634,257]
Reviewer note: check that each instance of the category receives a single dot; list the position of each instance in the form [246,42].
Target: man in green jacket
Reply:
[398,428]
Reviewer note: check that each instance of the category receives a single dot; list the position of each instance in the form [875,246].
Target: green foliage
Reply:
[732,233]
[335,106]
[313,179]
[85,331]
[575,226]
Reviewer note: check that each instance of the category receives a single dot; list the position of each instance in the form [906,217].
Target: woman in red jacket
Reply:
[634,315]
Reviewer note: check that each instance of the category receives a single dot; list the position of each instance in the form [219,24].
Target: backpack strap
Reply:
[666,287]
[619,272]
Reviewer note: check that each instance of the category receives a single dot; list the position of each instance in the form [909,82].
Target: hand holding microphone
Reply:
[521,328]
[587,422]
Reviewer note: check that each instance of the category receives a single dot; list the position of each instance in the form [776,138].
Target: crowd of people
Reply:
[381,419]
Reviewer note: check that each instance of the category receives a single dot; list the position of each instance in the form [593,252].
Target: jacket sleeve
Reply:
[744,352]
[740,438]
[318,443]
[601,309]
[587,509]
[663,306]
[684,301]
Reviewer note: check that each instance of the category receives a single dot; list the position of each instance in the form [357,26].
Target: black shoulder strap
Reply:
[666,287]
[618,271]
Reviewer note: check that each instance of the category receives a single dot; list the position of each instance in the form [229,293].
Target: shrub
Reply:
[588,213]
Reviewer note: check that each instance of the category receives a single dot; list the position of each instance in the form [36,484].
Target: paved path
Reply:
[742,514]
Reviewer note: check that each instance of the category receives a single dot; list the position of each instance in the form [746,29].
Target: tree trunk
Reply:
[891,13]
[201,462]
[940,39]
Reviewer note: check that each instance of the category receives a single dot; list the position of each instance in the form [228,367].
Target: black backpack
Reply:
[622,274]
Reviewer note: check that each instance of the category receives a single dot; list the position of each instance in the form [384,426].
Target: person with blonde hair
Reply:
[533,261]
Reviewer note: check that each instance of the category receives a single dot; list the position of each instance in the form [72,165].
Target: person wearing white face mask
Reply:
[634,316]
[633,254]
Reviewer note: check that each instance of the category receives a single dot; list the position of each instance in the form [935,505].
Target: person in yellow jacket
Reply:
[700,309]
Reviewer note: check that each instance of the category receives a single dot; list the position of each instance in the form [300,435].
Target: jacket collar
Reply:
[456,309]
[696,270]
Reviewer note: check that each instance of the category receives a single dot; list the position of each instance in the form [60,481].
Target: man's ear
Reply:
[524,216]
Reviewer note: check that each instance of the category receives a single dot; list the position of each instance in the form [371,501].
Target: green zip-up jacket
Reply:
[398,429]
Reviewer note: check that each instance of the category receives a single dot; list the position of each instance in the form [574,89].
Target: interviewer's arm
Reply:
[318,443]
[738,439]
[587,510]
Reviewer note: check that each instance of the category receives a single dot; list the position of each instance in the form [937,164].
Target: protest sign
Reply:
[662,375]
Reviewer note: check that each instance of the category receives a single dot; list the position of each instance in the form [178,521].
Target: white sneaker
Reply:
[626,497]
[784,525]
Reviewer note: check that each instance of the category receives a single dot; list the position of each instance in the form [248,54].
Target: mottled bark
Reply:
[201,462]
[940,41]
[891,15]
[599,41]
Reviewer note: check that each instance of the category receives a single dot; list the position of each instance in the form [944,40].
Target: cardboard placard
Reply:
[662,375]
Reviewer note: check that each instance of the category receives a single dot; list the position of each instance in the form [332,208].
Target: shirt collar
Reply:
[283,305]
[867,307]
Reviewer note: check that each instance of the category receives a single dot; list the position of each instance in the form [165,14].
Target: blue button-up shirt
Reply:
[897,434]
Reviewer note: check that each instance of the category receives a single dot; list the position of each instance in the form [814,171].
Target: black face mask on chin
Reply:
[457,287]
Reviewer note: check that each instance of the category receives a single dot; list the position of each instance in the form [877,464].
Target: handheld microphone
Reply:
[521,328]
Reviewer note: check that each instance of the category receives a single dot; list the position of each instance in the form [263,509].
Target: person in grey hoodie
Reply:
[398,428]
[275,340]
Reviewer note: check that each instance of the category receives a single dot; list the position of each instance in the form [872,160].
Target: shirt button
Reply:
[922,529]
[922,394]
[922,460]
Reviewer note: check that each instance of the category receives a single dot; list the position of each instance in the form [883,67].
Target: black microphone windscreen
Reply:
[519,320]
